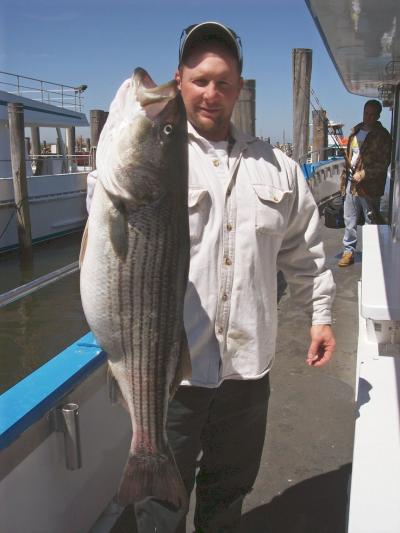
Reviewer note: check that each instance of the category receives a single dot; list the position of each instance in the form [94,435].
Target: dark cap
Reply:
[206,31]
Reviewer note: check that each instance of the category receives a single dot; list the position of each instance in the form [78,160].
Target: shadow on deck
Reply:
[316,505]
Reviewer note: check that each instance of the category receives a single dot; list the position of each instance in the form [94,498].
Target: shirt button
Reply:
[216,162]
[228,192]
[229,227]
[220,329]
[224,297]
[228,261]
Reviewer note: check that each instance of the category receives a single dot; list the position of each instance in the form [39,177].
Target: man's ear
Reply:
[178,79]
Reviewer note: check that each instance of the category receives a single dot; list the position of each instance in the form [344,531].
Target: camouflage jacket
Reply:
[372,162]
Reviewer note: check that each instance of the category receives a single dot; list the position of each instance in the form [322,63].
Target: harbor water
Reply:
[40,325]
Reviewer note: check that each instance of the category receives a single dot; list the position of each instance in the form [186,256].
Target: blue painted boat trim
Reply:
[309,168]
[30,399]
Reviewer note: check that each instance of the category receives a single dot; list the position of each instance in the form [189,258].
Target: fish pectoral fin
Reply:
[83,244]
[184,367]
[118,227]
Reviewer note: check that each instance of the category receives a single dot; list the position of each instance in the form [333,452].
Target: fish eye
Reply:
[168,129]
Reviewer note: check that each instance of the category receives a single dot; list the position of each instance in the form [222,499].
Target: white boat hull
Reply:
[39,494]
[57,205]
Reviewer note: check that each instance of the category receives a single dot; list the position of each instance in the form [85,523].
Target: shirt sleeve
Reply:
[302,256]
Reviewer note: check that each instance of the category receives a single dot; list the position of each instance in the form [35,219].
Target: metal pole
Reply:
[17,145]
[71,148]
[69,414]
[36,150]
[301,75]
[35,134]
[62,151]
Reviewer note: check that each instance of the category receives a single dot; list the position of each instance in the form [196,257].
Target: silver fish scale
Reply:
[149,307]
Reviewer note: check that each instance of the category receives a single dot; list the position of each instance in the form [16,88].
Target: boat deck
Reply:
[303,483]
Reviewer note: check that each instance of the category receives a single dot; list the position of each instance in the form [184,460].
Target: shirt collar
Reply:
[239,137]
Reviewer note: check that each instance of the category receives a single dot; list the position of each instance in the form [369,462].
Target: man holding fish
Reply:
[250,214]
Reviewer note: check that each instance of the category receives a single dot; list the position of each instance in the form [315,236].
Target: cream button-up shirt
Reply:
[249,214]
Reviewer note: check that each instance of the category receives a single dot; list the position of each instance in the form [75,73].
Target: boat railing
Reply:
[48,92]
[48,163]
[82,162]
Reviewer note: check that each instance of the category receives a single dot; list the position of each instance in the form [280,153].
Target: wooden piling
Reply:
[320,135]
[244,112]
[17,147]
[27,143]
[97,121]
[301,75]
[98,118]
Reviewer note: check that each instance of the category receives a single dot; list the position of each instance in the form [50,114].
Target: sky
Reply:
[99,43]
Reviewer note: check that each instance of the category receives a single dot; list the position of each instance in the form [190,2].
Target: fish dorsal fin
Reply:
[83,244]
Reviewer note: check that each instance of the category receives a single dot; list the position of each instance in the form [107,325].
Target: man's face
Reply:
[370,115]
[210,84]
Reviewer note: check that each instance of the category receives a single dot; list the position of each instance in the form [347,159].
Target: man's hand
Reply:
[322,345]
[357,177]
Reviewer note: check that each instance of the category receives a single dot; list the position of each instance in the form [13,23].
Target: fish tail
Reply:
[155,476]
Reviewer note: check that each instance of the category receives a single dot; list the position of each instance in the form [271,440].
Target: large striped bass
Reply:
[134,269]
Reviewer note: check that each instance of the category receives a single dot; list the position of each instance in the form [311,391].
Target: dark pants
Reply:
[228,426]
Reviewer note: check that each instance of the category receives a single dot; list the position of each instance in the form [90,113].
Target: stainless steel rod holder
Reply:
[68,416]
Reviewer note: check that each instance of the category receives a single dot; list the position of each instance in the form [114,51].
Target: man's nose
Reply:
[211,91]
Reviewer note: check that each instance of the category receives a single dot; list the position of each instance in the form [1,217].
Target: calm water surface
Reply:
[41,325]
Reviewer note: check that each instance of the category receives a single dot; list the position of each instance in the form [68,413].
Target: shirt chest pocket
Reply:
[271,209]
[199,202]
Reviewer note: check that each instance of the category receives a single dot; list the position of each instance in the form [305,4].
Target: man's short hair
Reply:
[376,104]
[210,32]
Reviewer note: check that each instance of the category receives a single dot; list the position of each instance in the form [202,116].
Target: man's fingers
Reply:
[321,358]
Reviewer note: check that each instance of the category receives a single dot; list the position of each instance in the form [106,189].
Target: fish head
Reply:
[142,155]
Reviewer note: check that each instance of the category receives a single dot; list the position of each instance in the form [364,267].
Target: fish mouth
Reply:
[152,98]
